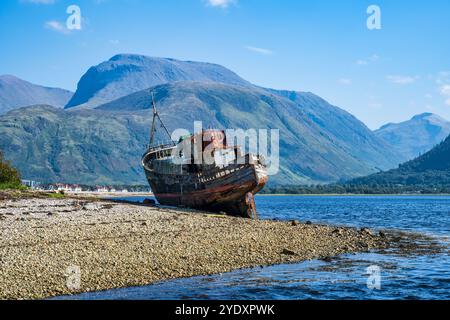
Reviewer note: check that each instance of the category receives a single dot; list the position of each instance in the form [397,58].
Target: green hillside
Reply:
[16,93]
[49,144]
[416,136]
[430,169]
[318,142]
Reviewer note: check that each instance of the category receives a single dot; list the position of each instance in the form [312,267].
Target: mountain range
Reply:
[430,169]
[309,152]
[416,136]
[15,92]
[100,136]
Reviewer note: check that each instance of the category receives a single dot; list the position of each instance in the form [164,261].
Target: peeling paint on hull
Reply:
[229,189]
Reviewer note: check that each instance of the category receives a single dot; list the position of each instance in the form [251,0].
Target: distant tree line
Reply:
[427,174]
[358,189]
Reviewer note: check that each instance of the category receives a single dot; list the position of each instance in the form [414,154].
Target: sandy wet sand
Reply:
[64,246]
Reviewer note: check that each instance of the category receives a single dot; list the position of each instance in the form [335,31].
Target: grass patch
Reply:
[12,186]
[56,195]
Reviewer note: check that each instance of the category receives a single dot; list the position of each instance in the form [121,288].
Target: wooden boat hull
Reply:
[229,190]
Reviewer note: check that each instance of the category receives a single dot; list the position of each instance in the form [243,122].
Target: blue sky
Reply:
[325,47]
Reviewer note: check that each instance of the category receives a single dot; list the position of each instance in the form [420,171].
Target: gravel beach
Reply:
[53,247]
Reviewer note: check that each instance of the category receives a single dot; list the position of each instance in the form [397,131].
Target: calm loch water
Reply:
[346,277]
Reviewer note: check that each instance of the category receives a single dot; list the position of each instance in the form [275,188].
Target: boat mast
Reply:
[153,130]
[155,113]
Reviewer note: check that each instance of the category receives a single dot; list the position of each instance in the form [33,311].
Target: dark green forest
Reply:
[427,174]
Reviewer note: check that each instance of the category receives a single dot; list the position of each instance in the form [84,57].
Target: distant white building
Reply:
[65,188]
[30,183]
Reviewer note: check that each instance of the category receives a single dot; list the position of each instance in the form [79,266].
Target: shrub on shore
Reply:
[9,176]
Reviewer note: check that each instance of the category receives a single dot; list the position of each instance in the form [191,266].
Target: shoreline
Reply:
[45,242]
[107,195]
[355,194]
[103,195]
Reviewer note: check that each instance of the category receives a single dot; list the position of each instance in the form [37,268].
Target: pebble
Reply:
[288,252]
[110,250]
[365,231]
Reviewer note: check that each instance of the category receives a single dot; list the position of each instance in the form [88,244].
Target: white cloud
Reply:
[114,42]
[220,3]
[262,51]
[445,90]
[443,78]
[56,26]
[447,102]
[345,82]
[375,105]
[39,1]
[363,62]
[403,80]
[374,57]
[443,82]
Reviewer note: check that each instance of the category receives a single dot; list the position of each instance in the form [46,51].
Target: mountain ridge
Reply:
[308,153]
[319,142]
[16,93]
[430,169]
[415,136]
[124,74]
[294,119]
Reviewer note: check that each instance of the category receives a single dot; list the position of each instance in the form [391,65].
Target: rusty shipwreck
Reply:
[227,184]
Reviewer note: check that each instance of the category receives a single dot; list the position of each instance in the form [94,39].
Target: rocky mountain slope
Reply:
[15,93]
[415,136]
[103,144]
[430,169]
[124,74]
[49,144]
